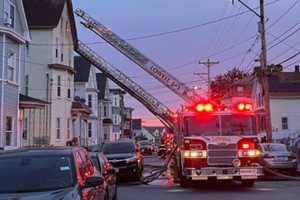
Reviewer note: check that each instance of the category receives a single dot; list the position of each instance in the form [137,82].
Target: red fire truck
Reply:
[217,142]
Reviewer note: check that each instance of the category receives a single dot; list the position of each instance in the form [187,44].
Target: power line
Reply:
[290,58]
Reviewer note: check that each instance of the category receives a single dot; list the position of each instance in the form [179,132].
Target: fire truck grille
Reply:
[221,154]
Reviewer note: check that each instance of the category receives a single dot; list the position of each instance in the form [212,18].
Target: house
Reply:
[50,70]
[137,127]
[87,89]
[284,89]
[127,118]
[14,35]
[105,106]
[156,131]
[80,121]
[117,98]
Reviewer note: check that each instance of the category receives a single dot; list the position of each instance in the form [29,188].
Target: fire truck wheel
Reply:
[248,183]
[185,183]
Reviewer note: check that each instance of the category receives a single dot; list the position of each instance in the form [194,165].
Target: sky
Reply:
[191,32]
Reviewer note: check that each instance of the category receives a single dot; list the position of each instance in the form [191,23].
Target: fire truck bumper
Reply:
[223,173]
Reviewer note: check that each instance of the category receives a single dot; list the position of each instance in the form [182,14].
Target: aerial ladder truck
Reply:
[214,141]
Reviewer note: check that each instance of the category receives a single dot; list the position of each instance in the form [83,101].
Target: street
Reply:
[164,189]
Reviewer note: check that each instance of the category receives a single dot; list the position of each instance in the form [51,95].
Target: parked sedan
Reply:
[108,172]
[276,156]
[124,156]
[49,174]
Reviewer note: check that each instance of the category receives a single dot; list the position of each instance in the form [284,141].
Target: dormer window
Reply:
[9,14]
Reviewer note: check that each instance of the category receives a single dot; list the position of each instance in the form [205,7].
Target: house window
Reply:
[56,47]
[11,67]
[90,130]
[115,119]
[47,86]
[26,85]
[90,100]
[9,131]
[284,123]
[12,15]
[105,114]
[9,13]
[67,29]
[69,88]
[106,133]
[25,129]
[115,101]
[68,128]
[57,128]
[58,86]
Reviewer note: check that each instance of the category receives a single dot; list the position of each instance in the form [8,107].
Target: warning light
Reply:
[204,107]
[241,106]
[175,115]
[245,146]
[245,107]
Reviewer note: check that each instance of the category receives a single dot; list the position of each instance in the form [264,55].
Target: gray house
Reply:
[13,36]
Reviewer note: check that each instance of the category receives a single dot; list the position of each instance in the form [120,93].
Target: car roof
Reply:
[123,141]
[61,151]
[264,144]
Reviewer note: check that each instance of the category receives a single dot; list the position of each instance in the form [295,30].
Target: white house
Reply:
[105,106]
[284,89]
[86,88]
[50,71]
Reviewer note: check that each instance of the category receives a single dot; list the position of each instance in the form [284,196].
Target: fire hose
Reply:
[281,175]
[156,173]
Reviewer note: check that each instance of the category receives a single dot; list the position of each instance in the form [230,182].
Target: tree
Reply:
[222,83]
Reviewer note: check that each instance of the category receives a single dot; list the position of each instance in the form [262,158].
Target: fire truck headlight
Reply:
[195,154]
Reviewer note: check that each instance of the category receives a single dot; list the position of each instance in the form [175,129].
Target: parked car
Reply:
[49,173]
[108,172]
[146,147]
[125,157]
[276,156]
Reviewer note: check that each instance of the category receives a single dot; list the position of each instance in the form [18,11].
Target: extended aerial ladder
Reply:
[163,113]
[136,56]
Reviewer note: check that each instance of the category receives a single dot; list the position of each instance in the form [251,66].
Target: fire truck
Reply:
[213,140]
[218,142]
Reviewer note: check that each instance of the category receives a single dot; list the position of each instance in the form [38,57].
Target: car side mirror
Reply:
[93,181]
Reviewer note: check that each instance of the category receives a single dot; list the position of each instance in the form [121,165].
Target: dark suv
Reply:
[49,174]
[125,158]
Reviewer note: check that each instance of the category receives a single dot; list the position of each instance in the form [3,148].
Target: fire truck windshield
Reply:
[214,125]
[237,125]
[204,126]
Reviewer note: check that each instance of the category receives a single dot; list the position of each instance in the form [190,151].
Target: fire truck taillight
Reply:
[195,154]
[247,149]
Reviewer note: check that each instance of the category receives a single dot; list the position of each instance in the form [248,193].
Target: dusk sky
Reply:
[232,41]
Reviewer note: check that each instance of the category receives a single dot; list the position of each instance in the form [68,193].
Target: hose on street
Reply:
[156,173]
[281,175]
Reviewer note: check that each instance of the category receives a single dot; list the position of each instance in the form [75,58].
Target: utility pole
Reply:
[208,63]
[264,67]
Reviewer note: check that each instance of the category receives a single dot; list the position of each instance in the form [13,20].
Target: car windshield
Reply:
[237,125]
[118,148]
[202,125]
[35,173]
[274,147]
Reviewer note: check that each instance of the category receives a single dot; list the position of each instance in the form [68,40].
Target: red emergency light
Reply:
[244,107]
[207,107]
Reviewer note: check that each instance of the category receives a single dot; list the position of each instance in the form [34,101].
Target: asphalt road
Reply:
[162,190]
[165,189]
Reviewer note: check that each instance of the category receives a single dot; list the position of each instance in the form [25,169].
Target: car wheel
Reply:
[248,183]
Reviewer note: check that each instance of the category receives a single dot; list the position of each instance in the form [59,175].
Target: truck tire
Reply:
[248,183]
[185,183]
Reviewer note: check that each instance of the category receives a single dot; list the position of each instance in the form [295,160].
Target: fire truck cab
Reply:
[217,142]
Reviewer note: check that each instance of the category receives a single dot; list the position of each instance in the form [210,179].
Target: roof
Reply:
[78,106]
[101,85]
[117,91]
[29,102]
[45,14]
[39,151]
[82,68]
[284,82]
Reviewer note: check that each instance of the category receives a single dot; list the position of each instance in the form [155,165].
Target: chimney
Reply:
[297,68]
